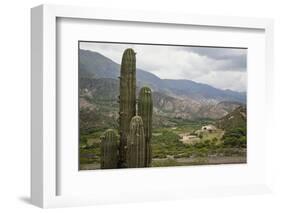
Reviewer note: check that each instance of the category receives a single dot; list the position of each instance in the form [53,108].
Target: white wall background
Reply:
[15,104]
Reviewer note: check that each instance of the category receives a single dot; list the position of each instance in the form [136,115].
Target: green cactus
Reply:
[127,100]
[135,131]
[109,150]
[145,108]
[136,144]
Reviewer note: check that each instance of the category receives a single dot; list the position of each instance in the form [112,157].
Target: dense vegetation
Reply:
[235,137]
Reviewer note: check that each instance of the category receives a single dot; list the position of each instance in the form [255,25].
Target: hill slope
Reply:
[237,118]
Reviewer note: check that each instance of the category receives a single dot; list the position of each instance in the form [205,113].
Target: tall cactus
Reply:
[127,100]
[109,150]
[145,108]
[136,144]
[135,131]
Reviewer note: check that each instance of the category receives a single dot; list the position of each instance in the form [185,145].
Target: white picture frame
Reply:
[44,150]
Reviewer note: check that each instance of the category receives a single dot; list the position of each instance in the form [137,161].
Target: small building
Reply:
[209,128]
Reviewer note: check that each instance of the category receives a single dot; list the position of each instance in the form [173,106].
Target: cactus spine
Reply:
[127,100]
[109,150]
[136,144]
[145,108]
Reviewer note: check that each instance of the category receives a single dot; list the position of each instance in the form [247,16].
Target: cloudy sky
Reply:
[224,68]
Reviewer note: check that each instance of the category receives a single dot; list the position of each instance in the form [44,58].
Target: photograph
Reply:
[161,105]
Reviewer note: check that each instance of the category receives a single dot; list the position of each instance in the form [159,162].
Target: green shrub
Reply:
[214,139]
[235,138]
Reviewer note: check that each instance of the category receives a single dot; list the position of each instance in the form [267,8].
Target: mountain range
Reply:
[95,65]
[185,99]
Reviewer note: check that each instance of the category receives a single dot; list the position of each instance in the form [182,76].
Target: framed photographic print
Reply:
[134,106]
[184,105]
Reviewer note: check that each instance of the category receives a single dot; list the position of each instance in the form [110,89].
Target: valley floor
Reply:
[189,143]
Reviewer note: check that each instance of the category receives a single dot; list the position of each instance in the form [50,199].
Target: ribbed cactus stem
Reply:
[109,150]
[136,144]
[127,100]
[145,108]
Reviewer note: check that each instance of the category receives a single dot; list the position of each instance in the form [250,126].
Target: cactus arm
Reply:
[136,144]
[109,150]
[145,109]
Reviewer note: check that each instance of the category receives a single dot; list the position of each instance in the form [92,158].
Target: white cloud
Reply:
[223,68]
[232,80]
